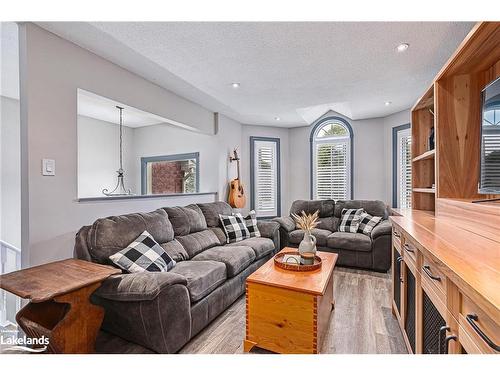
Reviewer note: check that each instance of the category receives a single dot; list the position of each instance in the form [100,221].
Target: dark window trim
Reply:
[175,157]
[395,131]
[311,150]
[252,173]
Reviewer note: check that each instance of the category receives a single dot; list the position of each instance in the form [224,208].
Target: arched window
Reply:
[331,159]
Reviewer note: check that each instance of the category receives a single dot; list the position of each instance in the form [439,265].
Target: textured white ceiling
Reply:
[295,71]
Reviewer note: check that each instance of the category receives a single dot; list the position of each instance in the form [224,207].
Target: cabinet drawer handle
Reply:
[408,248]
[399,260]
[427,270]
[396,234]
[472,319]
[447,342]
[445,329]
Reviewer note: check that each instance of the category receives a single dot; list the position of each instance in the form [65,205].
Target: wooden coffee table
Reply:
[287,311]
[60,308]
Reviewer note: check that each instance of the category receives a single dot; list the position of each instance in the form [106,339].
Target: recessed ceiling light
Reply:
[388,103]
[235,85]
[277,118]
[402,47]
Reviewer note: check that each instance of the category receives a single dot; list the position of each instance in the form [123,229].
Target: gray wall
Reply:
[52,69]
[390,122]
[165,139]
[10,177]
[369,165]
[271,132]
[98,159]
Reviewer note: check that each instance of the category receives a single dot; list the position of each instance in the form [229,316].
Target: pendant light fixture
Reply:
[119,189]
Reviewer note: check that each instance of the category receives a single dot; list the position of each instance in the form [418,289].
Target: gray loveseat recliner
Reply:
[162,311]
[354,249]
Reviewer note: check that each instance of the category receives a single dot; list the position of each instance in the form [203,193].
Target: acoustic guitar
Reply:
[237,197]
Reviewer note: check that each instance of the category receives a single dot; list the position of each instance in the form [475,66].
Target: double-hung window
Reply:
[265,176]
[331,160]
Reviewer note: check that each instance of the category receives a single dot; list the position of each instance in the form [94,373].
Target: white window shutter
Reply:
[265,178]
[404,169]
[332,170]
[490,160]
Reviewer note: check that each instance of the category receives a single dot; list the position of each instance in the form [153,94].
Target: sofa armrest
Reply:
[149,309]
[270,229]
[383,228]
[286,222]
[142,286]
[267,228]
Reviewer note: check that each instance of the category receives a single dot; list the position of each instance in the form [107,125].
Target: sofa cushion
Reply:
[187,219]
[109,235]
[235,227]
[349,241]
[350,220]
[325,207]
[175,250]
[219,232]
[202,276]
[321,235]
[374,208]
[212,210]
[251,223]
[195,243]
[144,254]
[236,258]
[368,223]
[260,245]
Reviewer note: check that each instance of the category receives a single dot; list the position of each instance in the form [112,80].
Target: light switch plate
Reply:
[48,167]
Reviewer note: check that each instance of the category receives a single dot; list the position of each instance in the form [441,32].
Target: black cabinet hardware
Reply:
[472,319]
[447,342]
[445,329]
[399,260]
[408,248]
[427,270]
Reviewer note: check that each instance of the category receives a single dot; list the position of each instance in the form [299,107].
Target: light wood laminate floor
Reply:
[362,321]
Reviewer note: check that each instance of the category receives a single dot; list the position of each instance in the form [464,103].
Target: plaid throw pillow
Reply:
[251,223]
[144,254]
[234,227]
[368,222]
[350,220]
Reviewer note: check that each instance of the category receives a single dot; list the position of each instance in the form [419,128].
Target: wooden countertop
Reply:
[313,282]
[471,260]
[44,282]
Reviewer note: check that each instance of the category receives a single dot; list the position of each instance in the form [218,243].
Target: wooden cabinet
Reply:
[451,110]
[481,333]
[409,311]
[438,312]
[448,299]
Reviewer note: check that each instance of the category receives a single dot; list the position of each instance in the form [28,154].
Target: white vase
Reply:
[307,246]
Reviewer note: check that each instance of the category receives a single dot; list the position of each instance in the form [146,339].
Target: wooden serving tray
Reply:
[278,261]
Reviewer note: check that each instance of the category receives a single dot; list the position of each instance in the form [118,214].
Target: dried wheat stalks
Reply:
[306,222]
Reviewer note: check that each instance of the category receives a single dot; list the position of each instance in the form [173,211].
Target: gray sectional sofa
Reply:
[163,311]
[354,249]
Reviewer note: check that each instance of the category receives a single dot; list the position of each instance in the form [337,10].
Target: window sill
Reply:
[150,196]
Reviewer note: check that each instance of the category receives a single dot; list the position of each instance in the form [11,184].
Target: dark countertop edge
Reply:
[151,196]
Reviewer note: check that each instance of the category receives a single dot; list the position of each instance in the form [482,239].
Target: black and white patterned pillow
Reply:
[368,222]
[251,223]
[144,254]
[234,227]
[350,219]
